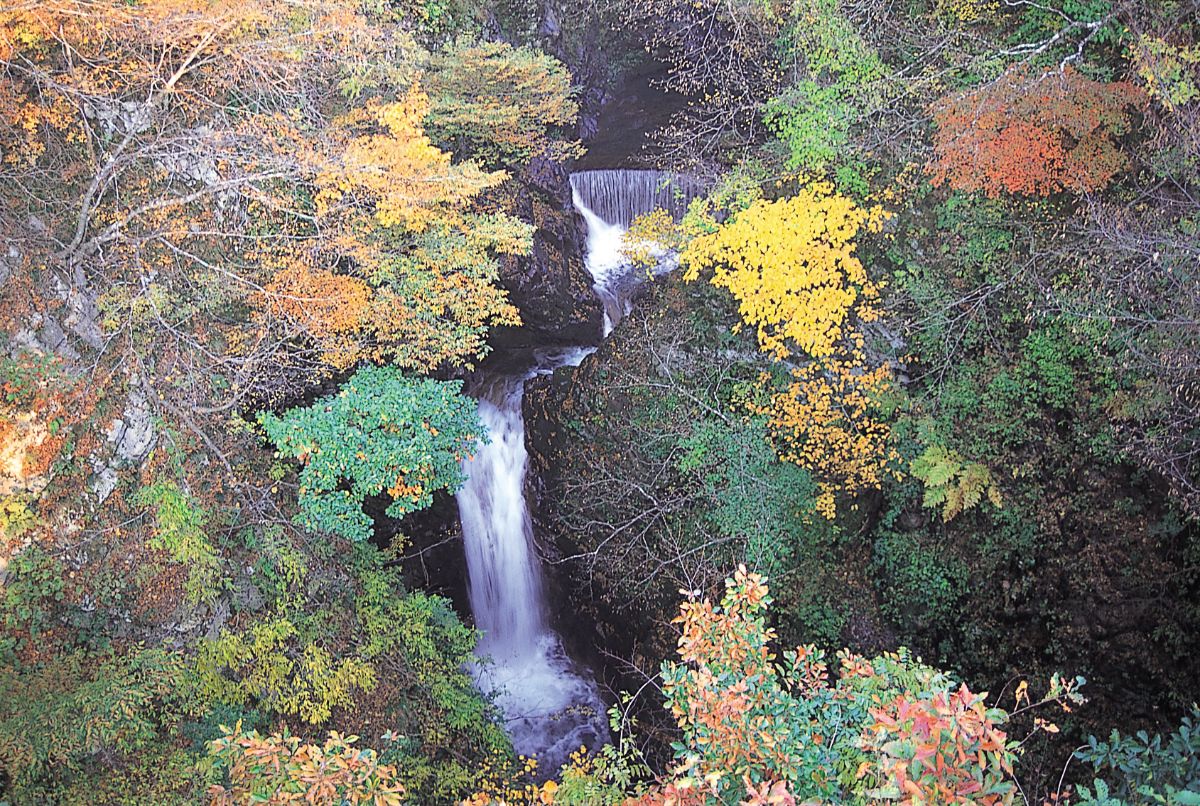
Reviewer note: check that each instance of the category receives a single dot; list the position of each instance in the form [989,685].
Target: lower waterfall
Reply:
[551,704]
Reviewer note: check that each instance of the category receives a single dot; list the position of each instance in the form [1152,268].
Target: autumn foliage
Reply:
[280,769]
[943,747]
[790,264]
[416,279]
[268,155]
[825,420]
[333,308]
[1033,136]
[767,729]
[38,405]
[497,99]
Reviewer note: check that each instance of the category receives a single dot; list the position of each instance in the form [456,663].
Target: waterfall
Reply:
[608,201]
[506,589]
[618,196]
[551,704]
[604,261]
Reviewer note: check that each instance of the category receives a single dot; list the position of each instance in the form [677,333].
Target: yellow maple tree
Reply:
[824,421]
[394,167]
[791,266]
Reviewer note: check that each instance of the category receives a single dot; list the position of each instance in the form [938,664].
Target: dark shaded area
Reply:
[620,133]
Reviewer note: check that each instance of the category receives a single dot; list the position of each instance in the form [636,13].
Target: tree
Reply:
[790,264]
[953,483]
[273,666]
[180,532]
[779,731]
[841,82]
[265,155]
[404,269]
[40,406]
[827,421]
[55,717]
[1033,135]
[719,54]
[1144,769]
[384,432]
[496,101]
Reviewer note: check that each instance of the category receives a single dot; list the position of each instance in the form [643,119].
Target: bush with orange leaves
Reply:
[771,730]
[279,769]
[763,730]
[1033,136]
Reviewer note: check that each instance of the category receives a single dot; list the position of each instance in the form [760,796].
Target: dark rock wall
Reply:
[551,287]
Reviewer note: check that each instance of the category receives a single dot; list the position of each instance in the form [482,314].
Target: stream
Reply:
[550,701]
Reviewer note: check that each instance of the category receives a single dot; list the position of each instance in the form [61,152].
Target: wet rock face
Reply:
[551,286]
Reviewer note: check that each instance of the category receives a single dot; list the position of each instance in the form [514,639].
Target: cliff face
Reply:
[551,286]
[587,461]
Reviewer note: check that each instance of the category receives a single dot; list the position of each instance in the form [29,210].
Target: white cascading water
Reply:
[551,704]
[608,201]
[506,588]
[604,261]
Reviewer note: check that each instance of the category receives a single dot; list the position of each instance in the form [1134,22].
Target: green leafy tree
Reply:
[1144,769]
[384,432]
[33,591]
[56,716]
[842,80]
[179,531]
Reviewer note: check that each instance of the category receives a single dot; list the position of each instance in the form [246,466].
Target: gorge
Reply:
[551,703]
[350,451]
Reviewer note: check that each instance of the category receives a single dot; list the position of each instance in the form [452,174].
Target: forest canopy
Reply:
[884,487]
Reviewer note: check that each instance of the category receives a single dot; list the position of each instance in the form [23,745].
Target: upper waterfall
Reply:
[608,201]
[620,195]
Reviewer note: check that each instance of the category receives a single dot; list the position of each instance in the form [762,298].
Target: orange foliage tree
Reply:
[765,728]
[279,769]
[206,158]
[166,133]
[1033,136]
[404,269]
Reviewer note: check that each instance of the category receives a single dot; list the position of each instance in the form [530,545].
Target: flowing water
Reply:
[618,196]
[551,703]
[608,201]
